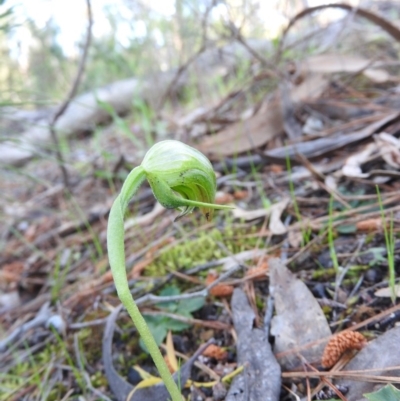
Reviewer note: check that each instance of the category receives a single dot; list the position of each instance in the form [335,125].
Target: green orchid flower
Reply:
[171,168]
[180,177]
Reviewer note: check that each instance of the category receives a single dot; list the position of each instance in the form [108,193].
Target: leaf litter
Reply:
[54,266]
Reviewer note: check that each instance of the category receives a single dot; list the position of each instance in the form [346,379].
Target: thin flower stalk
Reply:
[180,177]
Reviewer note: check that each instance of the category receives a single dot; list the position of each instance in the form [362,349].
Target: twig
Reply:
[232,255]
[358,375]
[150,298]
[198,364]
[386,25]
[216,325]
[269,313]
[83,325]
[237,35]
[42,316]
[60,111]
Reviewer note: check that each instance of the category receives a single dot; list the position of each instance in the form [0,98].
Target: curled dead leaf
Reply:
[276,168]
[170,367]
[369,225]
[239,195]
[220,290]
[223,198]
[216,352]
[259,272]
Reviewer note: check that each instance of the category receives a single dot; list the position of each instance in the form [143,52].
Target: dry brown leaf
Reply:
[276,168]
[170,357]
[11,272]
[338,344]
[312,87]
[169,365]
[212,275]
[239,195]
[369,225]
[220,290]
[245,135]
[223,198]
[260,128]
[259,272]
[216,352]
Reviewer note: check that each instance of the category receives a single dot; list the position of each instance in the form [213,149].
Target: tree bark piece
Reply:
[261,378]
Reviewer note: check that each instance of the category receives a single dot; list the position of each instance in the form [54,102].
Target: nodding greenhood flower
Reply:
[180,177]
[172,168]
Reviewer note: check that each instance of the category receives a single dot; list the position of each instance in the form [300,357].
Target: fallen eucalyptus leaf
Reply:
[264,125]
[299,320]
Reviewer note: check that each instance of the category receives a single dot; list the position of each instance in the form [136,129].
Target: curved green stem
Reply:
[116,254]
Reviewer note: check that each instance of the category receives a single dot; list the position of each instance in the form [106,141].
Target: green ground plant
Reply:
[331,242]
[160,325]
[390,245]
